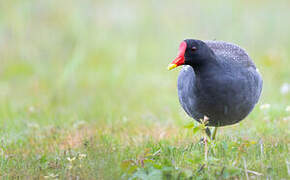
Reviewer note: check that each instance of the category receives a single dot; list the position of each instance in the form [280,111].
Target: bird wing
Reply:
[230,51]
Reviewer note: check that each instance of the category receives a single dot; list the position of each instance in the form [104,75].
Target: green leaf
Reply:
[189,125]
[195,129]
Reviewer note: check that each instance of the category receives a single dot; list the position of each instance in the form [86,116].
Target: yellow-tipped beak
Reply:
[171,66]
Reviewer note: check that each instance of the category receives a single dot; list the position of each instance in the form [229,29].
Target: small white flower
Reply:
[288,108]
[82,156]
[205,118]
[31,109]
[53,176]
[285,88]
[124,119]
[265,106]
[71,159]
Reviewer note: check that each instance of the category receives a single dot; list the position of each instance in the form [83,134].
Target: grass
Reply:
[84,90]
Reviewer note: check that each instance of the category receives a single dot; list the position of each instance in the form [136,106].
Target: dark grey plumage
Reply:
[226,94]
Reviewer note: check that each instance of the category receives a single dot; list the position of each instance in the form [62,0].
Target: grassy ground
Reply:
[85,94]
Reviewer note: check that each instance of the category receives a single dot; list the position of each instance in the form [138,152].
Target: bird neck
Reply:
[207,67]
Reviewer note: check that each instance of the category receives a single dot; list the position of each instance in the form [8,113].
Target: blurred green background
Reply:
[103,63]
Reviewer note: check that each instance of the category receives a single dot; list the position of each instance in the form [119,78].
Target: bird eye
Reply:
[193,48]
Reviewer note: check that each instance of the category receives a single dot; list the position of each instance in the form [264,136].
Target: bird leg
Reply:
[205,141]
[208,132]
[214,133]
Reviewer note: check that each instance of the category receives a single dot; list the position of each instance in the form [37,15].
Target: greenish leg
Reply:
[208,133]
[214,133]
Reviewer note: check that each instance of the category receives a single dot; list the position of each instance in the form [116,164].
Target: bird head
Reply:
[191,52]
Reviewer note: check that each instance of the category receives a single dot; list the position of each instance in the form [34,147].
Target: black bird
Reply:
[219,80]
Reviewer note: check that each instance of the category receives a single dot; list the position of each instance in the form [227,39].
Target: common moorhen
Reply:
[218,80]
